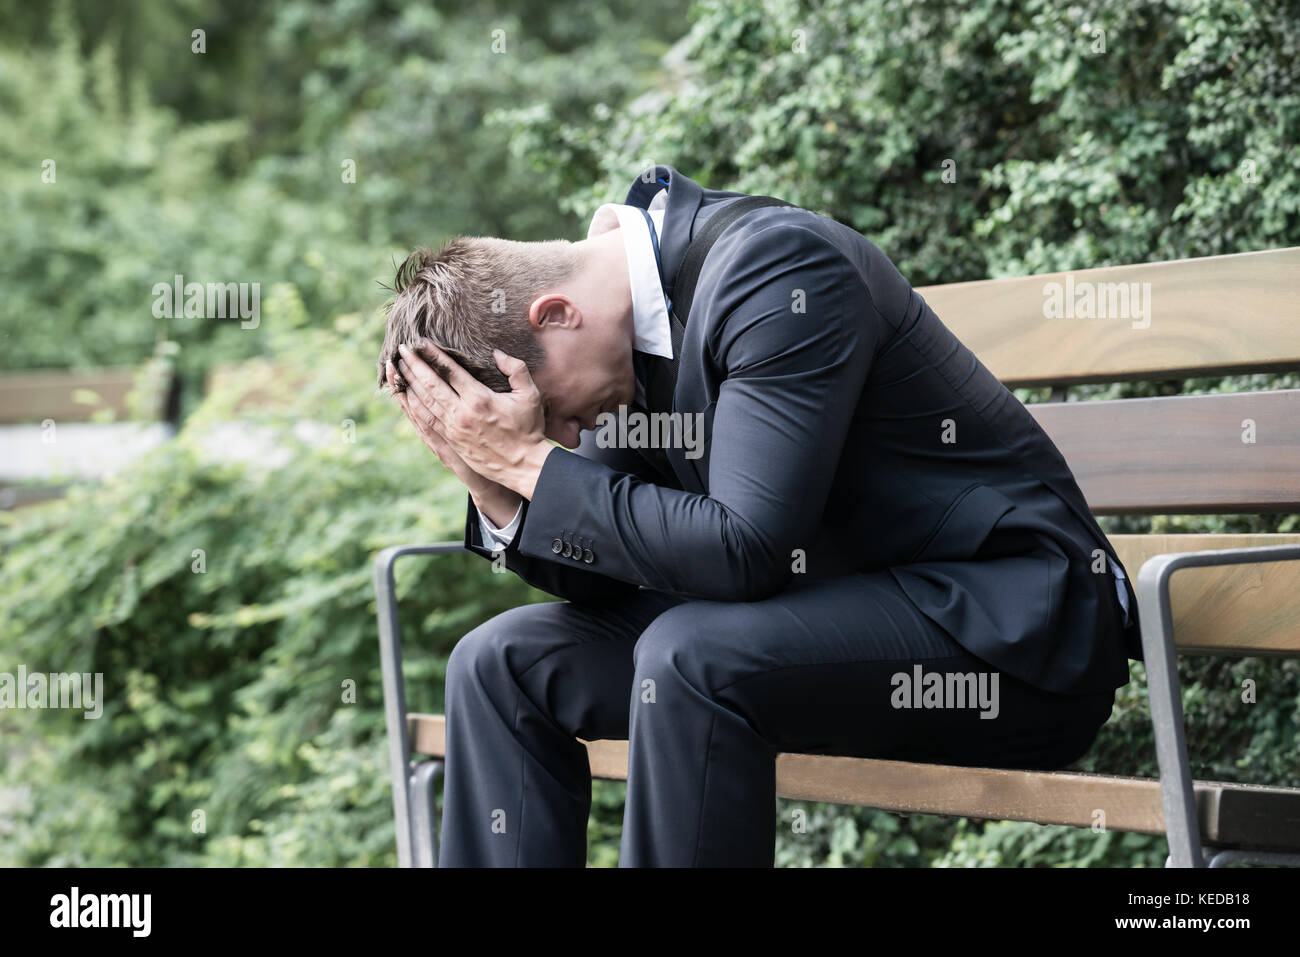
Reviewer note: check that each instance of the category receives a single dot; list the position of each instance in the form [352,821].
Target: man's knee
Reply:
[497,649]
[689,643]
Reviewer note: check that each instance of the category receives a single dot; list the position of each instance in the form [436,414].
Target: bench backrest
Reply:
[1233,453]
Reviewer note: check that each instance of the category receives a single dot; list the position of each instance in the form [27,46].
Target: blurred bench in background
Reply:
[58,426]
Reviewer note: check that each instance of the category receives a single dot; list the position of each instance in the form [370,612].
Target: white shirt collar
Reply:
[651,329]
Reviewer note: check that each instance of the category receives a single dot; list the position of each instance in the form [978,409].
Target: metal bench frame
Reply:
[1165,694]
[413,780]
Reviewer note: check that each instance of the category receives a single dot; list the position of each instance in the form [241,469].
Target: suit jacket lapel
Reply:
[656,376]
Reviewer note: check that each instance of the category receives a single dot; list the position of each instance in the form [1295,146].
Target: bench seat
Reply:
[1233,815]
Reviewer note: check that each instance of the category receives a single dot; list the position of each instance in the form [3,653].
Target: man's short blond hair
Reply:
[473,296]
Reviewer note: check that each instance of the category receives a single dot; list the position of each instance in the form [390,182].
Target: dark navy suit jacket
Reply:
[843,419]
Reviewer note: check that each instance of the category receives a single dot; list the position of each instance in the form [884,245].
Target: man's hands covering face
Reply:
[492,441]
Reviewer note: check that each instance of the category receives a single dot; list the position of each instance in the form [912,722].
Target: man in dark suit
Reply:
[871,549]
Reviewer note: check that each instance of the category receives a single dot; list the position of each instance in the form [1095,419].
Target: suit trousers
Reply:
[707,694]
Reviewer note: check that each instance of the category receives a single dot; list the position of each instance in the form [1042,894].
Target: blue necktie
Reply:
[657,374]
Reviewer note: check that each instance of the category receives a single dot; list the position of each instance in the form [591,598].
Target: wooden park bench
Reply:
[1197,594]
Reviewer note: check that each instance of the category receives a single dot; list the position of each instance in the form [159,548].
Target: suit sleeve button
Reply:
[556,545]
[587,556]
[568,549]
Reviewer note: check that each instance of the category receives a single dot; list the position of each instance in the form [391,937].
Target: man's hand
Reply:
[495,501]
[498,436]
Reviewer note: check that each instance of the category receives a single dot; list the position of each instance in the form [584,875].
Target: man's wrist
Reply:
[529,469]
[499,505]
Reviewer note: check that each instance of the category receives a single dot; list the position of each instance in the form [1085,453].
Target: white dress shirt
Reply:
[651,330]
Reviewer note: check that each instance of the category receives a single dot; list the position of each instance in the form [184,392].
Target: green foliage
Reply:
[1178,140]
[605,823]
[134,197]
[225,672]
[832,835]
[1016,844]
[255,191]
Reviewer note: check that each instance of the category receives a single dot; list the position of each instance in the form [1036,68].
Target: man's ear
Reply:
[554,311]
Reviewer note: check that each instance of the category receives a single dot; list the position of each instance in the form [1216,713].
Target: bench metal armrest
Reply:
[1176,789]
[390,661]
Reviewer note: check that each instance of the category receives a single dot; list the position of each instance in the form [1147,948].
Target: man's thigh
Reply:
[850,666]
[574,662]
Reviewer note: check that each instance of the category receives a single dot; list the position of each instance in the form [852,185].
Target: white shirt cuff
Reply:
[495,538]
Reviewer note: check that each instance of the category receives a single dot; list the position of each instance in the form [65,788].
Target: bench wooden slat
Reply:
[1248,609]
[1212,316]
[1235,815]
[1182,454]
